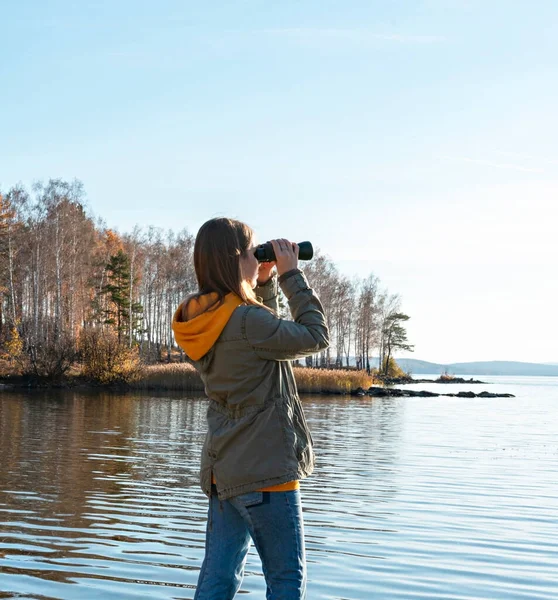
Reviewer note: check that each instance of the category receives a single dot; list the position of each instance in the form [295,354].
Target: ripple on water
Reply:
[99,498]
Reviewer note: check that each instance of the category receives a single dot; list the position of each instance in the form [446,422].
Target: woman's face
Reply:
[249,265]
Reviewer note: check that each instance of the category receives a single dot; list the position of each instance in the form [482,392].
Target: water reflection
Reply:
[99,488]
[99,498]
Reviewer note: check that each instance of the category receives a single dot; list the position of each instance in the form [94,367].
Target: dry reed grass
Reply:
[330,381]
[180,377]
[445,376]
[183,377]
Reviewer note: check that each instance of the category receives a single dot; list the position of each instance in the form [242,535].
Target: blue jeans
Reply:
[273,520]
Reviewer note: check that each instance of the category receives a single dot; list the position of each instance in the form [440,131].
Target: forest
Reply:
[76,291]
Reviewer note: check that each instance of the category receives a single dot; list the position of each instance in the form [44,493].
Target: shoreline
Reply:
[126,388]
[181,377]
[382,392]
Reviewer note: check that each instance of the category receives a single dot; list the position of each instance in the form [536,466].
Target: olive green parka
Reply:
[257,433]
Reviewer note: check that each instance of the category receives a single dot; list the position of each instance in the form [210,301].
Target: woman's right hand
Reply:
[286,255]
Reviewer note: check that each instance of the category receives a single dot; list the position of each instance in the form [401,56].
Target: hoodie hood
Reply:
[195,328]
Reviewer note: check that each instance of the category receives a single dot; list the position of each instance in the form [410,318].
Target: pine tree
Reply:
[121,312]
[395,336]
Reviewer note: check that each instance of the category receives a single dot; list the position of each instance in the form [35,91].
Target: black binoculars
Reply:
[265,252]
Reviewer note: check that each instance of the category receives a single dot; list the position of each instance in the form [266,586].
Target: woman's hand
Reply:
[264,272]
[286,255]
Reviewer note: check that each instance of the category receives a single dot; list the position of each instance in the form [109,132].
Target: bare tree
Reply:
[367,334]
[343,319]
[9,227]
[323,277]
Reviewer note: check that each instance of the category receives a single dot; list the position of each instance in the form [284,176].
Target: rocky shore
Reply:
[383,392]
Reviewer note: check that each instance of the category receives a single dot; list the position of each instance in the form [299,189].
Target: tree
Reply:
[395,336]
[323,277]
[343,317]
[107,243]
[367,336]
[10,228]
[121,312]
[7,215]
[388,304]
[133,244]
[68,240]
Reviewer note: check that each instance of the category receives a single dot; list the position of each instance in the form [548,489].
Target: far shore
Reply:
[441,379]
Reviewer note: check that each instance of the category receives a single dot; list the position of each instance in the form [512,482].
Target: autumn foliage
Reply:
[105,359]
[69,283]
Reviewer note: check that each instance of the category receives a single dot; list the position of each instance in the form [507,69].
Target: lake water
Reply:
[413,498]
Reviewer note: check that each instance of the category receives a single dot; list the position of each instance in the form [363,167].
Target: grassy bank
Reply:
[330,381]
[183,377]
[180,377]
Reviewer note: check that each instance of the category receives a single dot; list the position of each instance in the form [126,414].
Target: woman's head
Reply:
[224,260]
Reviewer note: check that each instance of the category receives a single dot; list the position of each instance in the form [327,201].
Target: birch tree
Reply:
[367,334]
[8,227]
[323,277]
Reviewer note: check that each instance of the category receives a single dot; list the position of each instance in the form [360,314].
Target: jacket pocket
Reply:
[301,427]
[301,438]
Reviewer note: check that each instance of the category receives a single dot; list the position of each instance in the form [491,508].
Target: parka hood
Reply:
[196,328]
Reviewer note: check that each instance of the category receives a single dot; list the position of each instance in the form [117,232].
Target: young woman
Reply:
[258,445]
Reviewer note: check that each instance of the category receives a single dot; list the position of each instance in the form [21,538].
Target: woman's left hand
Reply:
[264,272]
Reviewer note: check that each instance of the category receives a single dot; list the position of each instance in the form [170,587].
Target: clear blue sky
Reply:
[417,140]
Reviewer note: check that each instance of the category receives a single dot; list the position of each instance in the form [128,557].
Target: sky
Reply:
[415,140]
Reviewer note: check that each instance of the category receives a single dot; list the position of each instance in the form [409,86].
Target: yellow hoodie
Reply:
[196,329]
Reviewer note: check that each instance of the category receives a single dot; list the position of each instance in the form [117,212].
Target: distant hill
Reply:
[495,367]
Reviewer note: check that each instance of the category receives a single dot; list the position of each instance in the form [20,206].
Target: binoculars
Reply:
[265,252]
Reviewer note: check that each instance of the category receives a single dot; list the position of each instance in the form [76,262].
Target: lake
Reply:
[433,498]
